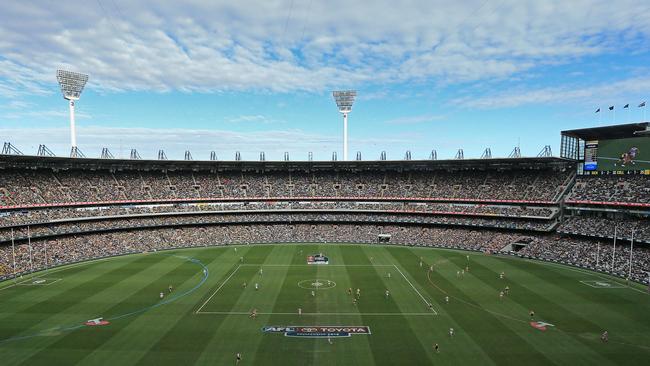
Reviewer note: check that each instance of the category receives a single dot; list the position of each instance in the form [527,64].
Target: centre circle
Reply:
[317,284]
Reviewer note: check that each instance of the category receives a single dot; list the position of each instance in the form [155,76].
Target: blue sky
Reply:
[255,76]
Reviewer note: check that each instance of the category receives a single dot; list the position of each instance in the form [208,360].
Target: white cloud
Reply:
[38,114]
[16,104]
[412,120]
[253,119]
[244,45]
[605,93]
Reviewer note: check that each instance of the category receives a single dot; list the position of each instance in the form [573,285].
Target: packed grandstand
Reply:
[62,210]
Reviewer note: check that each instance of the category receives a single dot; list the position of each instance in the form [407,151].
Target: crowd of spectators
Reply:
[612,188]
[572,251]
[605,227]
[252,213]
[123,223]
[29,187]
[34,216]
[76,248]
[592,255]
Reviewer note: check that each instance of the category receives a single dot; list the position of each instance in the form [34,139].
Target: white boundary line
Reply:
[317,314]
[217,290]
[612,284]
[416,290]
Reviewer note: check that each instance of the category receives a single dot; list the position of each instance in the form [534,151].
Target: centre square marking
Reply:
[213,306]
[317,284]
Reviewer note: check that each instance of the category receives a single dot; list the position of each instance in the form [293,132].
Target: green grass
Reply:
[205,321]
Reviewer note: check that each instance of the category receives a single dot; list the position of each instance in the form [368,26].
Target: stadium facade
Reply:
[594,198]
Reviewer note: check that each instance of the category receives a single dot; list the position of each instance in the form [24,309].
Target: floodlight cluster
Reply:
[344,100]
[72,83]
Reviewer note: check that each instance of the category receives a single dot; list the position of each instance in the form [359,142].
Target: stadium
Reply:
[88,244]
[112,259]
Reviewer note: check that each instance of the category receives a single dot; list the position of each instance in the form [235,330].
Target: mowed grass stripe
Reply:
[576,320]
[565,282]
[485,329]
[272,346]
[549,308]
[406,348]
[57,310]
[21,298]
[72,268]
[244,334]
[484,285]
[81,308]
[356,349]
[432,329]
[138,294]
[137,338]
[189,334]
[462,348]
[140,330]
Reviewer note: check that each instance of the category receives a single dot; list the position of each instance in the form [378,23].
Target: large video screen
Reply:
[630,154]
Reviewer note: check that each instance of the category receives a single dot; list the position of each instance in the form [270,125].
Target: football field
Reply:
[111,311]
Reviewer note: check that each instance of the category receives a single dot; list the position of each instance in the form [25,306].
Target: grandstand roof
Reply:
[607,132]
[46,162]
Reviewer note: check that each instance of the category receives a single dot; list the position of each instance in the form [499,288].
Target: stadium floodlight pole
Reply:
[344,100]
[72,83]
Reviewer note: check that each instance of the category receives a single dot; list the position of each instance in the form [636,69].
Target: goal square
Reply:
[316,290]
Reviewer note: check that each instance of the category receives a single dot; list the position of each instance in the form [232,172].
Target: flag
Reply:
[611,108]
[626,106]
[598,110]
[642,104]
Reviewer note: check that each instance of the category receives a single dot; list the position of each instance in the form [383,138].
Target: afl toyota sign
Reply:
[318,331]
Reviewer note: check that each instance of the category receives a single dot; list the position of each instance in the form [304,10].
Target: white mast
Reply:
[344,100]
[72,83]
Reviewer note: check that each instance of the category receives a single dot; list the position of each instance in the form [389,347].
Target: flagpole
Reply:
[600,117]
[629,115]
[614,249]
[13,252]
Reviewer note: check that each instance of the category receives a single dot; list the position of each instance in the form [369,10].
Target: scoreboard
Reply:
[617,156]
[591,155]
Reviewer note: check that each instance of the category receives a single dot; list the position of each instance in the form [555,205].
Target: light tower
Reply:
[344,100]
[72,83]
